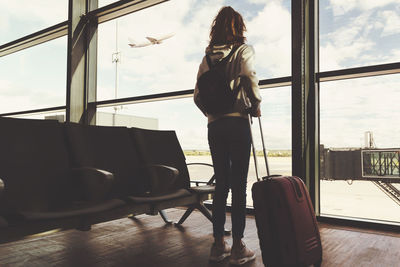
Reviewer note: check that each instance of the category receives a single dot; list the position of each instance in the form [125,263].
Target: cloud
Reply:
[34,78]
[333,57]
[105,2]
[15,95]
[42,12]
[23,17]
[263,1]
[4,24]
[391,22]
[270,33]
[174,63]
[351,107]
[340,7]
[396,55]
[344,42]
[357,42]
[181,55]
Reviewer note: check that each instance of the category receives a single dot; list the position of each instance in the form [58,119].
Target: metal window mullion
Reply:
[33,111]
[36,38]
[305,95]
[359,72]
[297,84]
[122,8]
[106,13]
[81,60]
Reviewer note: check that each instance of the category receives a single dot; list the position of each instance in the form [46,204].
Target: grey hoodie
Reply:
[240,71]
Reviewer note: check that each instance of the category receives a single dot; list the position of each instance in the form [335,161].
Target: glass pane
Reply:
[106,2]
[54,115]
[172,65]
[23,17]
[34,78]
[358,33]
[277,132]
[361,139]
[182,116]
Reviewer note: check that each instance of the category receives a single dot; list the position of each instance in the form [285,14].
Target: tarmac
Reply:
[360,199]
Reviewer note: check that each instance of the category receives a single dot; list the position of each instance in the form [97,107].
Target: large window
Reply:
[276,125]
[105,2]
[179,115]
[182,116]
[358,33]
[359,116]
[353,112]
[359,139]
[58,115]
[125,71]
[23,17]
[34,78]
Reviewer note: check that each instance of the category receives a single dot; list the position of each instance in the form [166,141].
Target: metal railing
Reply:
[380,162]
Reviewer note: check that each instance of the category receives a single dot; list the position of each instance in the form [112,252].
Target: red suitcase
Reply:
[285,219]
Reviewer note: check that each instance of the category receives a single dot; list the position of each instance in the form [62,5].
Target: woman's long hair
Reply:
[227,28]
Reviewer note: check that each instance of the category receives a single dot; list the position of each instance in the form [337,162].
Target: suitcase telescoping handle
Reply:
[254,150]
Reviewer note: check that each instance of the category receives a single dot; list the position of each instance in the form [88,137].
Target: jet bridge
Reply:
[380,166]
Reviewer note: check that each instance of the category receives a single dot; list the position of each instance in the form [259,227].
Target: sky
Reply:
[353,33]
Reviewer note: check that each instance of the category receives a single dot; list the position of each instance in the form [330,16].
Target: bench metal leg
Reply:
[198,206]
[164,216]
[187,213]
[204,210]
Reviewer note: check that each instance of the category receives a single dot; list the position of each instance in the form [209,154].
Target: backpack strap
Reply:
[225,59]
[208,61]
[237,89]
[233,50]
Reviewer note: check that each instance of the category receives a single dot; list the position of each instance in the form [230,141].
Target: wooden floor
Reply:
[147,241]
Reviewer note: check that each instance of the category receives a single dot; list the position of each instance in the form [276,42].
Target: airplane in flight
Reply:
[151,41]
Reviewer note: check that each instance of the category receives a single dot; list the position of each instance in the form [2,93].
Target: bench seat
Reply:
[83,208]
[57,176]
[3,222]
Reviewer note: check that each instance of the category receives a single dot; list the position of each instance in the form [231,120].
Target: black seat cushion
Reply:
[83,208]
[203,189]
[3,222]
[162,147]
[110,149]
[180,193]
[34,165]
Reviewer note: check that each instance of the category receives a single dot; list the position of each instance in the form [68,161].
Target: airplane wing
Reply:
[153,40]
[166,36]
[134,44]
[158,40]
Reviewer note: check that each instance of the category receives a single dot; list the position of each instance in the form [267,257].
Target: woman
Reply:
[229,134]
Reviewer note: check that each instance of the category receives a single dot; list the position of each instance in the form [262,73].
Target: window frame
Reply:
[305,71]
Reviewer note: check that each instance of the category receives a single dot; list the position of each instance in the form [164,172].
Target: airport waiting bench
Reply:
[71,176]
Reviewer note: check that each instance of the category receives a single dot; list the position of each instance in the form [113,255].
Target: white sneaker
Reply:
[241,256]
[218,253]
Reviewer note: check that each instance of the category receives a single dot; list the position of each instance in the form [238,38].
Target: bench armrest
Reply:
[92,184]
[212,179]
[161,179]
[1,187]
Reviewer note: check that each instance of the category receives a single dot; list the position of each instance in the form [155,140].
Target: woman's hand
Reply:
[256,113]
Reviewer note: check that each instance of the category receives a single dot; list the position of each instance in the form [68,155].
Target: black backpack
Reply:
[216,95]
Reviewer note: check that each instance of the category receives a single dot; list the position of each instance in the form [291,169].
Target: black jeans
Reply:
[229,139]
